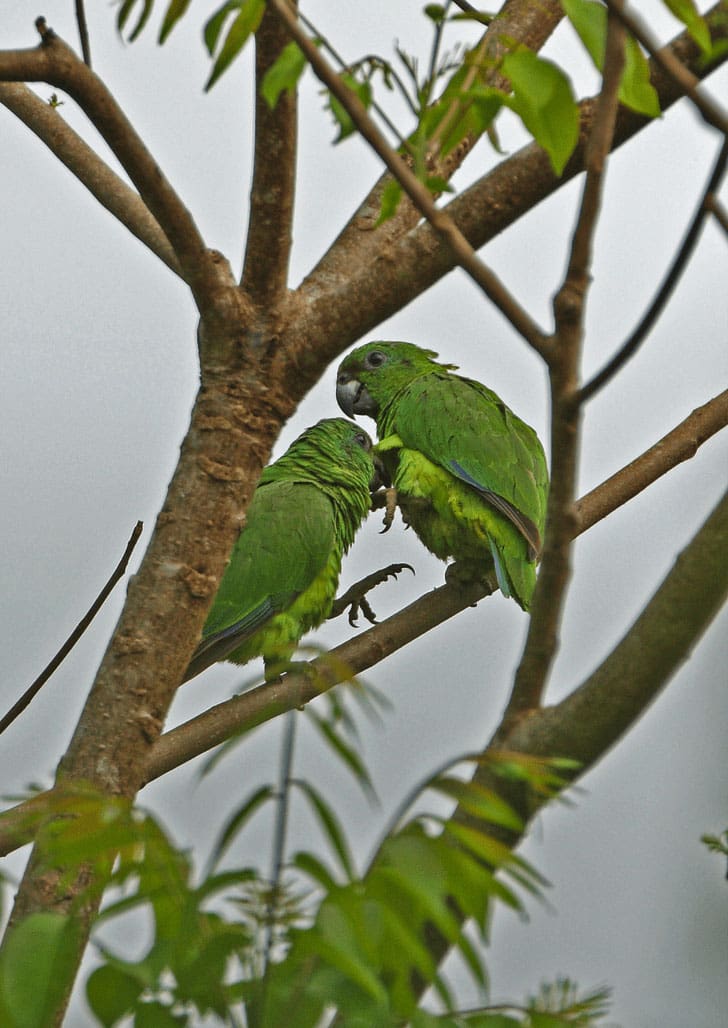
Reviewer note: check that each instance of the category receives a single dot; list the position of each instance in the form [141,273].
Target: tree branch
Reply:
[463,253]
[244,712]
[265,272]
[110,190]
[595,715]
[54,62]
[569,311]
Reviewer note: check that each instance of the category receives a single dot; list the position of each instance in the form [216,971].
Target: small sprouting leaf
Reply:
[245,24]
[435,12]
[175,10]
[544,101]
[363,91]
[391,195]
[330,825]
[283,74]
[686,12]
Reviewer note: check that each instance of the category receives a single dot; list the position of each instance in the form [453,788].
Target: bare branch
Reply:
[76,634]
[54,62]
[711,111]
[687,248]
[569,310]
[271,198]
[110,190]
[463,253]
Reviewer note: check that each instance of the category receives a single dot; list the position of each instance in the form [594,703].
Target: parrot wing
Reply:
[287,539]
[464,427]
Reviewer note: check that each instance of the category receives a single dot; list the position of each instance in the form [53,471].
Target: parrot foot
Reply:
[386,498]
[462,575]
[355,597]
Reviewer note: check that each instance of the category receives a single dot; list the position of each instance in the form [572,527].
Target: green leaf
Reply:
[391,195]
[123,16]
[238,820]
[363,91]
[635,89]
[476,799]
[590,21]
[244,25]
[215,24]
[686,12]
[330,825]
[176,10]
[343,750]
[111,993]
[37,961]
[543,99]
[283,74]
[155,1015]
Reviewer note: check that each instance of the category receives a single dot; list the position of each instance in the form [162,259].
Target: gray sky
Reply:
[98,378]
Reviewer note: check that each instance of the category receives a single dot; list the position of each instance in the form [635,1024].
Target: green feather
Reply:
[471,477]
[283,572]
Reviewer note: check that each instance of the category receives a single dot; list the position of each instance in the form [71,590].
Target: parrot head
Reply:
[374,373]
[336,450]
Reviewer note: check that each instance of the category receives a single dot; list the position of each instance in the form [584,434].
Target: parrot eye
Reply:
[376,358]
[363,440]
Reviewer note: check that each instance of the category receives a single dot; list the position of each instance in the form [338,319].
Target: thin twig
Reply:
[711,111]
[464,254]
[75,635]
[83,32]
[718,211]
[687,248]
[569,310]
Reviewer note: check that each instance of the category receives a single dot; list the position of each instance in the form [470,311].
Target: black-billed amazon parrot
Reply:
[284,569]
[470,476]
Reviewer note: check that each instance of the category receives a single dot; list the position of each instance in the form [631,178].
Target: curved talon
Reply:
[390,506]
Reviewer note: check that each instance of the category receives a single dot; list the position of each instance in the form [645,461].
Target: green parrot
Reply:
[284,569]
[470,476]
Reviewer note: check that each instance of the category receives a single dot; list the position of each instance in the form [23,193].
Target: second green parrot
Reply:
[283,573]
[470,476]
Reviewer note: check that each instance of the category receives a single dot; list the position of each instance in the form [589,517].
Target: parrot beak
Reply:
[353,397]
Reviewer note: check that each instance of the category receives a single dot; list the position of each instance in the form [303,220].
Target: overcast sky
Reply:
[99,374]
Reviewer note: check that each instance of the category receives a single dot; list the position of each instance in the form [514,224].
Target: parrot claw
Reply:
[355,597]
[390,506]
